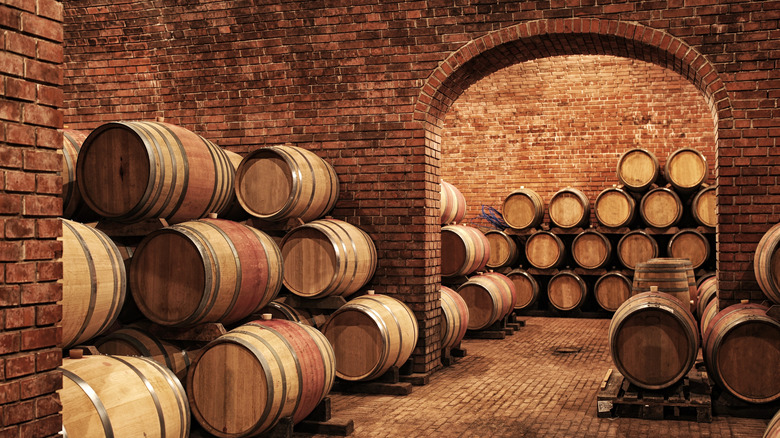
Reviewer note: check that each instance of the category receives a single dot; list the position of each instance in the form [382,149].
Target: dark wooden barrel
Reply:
[766,264]
[614,207]
[636,247]
[689,244]
[703,207]
[773,428]
[453,204]
[686,169]
[135,341]
[706,291]
[569,208]
[489,298]
[741,350]
[131,171]
[661,208]
[672,276]
[94,283]
[612,290]
[276,183]
[233,210]
[705,317]
[637,169]
[504,249]
[653,340]
[370,334]
[327,257]
[73,206]
[464,250]
[544,250]
[454,318]
[523,209]
[567,291]
[526,286]
[209,270]
[259,373]
[107,395]
[591,249]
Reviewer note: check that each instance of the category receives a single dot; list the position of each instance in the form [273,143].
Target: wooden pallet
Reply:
[689,399]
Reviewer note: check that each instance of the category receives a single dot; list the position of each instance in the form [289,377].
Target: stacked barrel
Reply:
[580,254]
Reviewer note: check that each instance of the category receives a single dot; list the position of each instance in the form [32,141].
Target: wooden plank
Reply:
[401,388]
[332,427]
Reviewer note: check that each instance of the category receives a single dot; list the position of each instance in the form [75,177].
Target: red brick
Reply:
[48,405]
[50,95]
[48,184]
[18,366]
[48,314]
[42,160]
[9,392]
[10,157]
[42,115]
[16,181]
[19,317]
[42,27]
[42,249]
[38,338]
[18,88]
[11,63]
[19,412]
[20,134]
[49,270]
[41,383]
[10,110]
[51,9]
[9,342]
[20,272]
[42,205]
[48,228]
[37,293]
[10,251]
[48,426]
[19,228]
[9,295]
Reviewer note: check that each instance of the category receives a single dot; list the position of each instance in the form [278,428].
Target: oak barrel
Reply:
[73,206]
[233,210]
[689,244]
[135,341]
[703,207]
[544,250]
[661,208]
[567,291]
[464,249]
[122,396]
[766,264]
[327,257]
[612,290]
[208,270]
[671,276]
[504,249]
[686,169]
[773,428]
[526,286]
[281,310]
[706,316]
[131,171]
[454,318]
[591,249]
[614,207]
[489,298]
[653,340]
[370,334]
[741,350]
[636,247]
[453,204]
[523,209]
[705,292]
[276,183]
[569,208]
[249,378]
[637,169]
[94,283]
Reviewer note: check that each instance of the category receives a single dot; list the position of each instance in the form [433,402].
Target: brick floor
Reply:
[520,387]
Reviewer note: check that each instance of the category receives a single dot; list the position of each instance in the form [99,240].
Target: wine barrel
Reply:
[637,169]
[614,207]
[73,206]
[251,377]
[523,209]
[703,276]
[661,208]
[464,249]
[705,292]
[327,257]
[281,310]
[544,250]
[773,428]
[689,244]
[612,290]
[567,291]
[526,286]
[672,276]
[706,316]
[135,341]
[130,312]
[703,207]
[94,283]
[653,340]
[591,249]
[569,208]
[503,249]
[686,169]
[636,247]
[370,334]
[233,210]
[454,318]
[131,171]
[488,299]
[453,204]
[766,264]
[741,350]
[208,270]
[122,396]
[276,183]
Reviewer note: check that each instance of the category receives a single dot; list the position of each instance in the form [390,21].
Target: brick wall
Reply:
[30,86]
[564,121]
[367,85]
